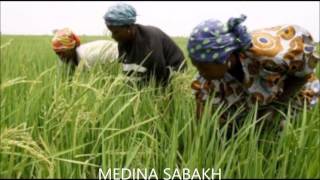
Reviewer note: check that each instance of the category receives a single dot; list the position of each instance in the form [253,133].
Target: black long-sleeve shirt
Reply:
[151,53]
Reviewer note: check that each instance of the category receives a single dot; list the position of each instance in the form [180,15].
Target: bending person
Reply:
[66,45]
[144,50]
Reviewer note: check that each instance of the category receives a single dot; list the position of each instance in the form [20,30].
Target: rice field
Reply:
[54,126]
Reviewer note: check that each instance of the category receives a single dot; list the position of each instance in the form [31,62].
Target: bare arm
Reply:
[200,108]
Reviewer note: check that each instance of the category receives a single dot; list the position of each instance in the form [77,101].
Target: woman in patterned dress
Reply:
[270,67]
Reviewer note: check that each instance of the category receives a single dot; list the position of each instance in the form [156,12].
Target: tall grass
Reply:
[54,127]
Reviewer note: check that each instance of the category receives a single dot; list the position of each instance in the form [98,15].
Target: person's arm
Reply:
[199,109]
[114,52]
[162,73]
[121,53]
[174,56]
[156,61]
[292,85]
[196,91]
[310,91]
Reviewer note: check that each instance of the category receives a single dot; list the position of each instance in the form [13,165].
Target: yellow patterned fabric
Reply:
[276,53]
[65,39]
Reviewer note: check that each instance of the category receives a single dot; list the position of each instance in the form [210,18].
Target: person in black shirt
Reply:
[145,51]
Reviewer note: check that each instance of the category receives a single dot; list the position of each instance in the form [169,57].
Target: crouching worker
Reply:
[270,67]
[67,46]
[144,51]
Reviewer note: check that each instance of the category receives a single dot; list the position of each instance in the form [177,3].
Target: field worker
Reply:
[145,51]
[67,46]
[268,66]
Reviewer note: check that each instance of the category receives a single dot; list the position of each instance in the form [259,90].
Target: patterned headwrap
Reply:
[64,39]
[120,14]
[213,42]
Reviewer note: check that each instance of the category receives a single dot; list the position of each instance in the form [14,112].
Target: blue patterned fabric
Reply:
[120,14]
[212,41]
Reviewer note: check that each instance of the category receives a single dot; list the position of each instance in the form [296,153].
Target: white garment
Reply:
[101,51]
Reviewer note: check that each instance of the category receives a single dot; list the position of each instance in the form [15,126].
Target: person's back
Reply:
[154,50]
[279,63]
[99,51]
[172,53]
